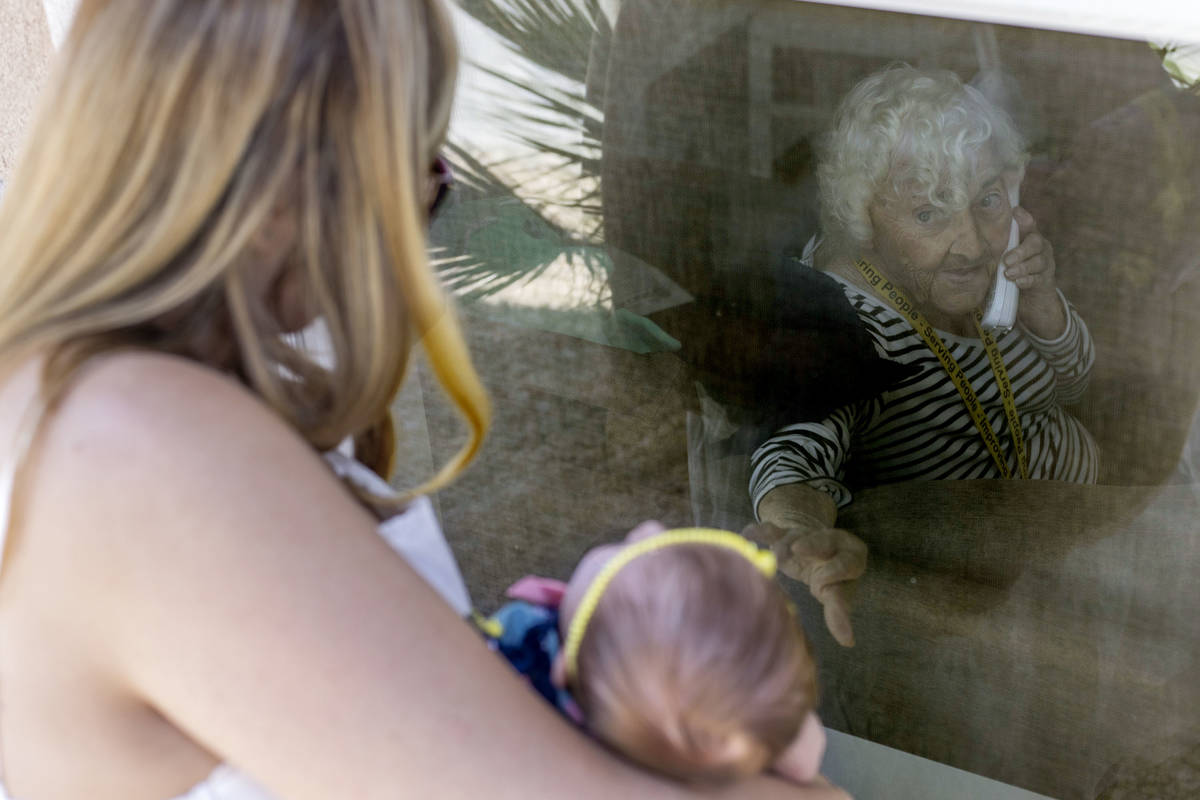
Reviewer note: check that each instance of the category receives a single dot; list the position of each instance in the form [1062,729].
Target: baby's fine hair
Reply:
[903,123]
[695,666]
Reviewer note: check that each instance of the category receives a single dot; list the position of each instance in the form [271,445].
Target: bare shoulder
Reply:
[155,452]
[149,420]
[141,397]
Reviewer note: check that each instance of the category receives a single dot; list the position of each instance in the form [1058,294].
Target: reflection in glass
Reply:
[641,184]
[916,187]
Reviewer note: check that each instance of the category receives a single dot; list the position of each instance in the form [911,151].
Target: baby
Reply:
[680,650]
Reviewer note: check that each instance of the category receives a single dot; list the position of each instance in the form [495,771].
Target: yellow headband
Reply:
[763,560]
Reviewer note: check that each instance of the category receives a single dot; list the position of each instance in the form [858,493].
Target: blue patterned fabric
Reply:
[529,640]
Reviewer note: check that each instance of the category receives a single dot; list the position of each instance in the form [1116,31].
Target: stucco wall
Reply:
[24,57]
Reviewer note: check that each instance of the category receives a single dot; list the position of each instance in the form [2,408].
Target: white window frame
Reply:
[1152,20]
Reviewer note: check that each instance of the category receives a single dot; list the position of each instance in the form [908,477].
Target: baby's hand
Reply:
[801,761]
[645,530]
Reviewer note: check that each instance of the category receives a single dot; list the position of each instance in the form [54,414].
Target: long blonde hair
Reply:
[170,131]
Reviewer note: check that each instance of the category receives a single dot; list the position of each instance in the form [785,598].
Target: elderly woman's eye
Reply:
[925,216]
[990,200]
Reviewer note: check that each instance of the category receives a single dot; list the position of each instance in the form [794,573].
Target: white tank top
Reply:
[414,533]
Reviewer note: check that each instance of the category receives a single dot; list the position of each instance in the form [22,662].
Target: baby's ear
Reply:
[736,749]
[558,670]
[801,761]
[714,750]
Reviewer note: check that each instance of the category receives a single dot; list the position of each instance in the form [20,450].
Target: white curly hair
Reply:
[905,124]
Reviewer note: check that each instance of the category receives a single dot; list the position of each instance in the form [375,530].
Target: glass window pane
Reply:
[638,198]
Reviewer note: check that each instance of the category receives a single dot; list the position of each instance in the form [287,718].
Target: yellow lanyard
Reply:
[896,299]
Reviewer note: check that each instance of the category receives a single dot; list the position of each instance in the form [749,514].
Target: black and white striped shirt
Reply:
[919,428]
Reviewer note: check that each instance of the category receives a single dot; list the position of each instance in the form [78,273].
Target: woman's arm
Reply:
[800,518]
[1071,355]
[807,453]
[231,584]
[797,505]
[799,527]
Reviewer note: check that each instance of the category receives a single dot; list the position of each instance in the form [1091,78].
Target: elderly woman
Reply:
[915,190]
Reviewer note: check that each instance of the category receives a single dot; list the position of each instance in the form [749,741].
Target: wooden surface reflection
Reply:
[1024,631]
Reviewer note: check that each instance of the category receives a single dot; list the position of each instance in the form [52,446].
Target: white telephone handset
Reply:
[1000,312]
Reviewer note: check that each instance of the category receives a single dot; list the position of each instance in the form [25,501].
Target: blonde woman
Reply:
[192,604]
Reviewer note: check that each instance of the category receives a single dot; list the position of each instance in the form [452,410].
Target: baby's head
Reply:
[690,660]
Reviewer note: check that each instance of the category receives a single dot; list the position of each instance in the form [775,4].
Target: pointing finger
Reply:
[837,615]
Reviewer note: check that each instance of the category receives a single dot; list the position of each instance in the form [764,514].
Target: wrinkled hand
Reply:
[827,560]
[1030,265]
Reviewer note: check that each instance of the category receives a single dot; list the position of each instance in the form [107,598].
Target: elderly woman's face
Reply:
[944,258]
